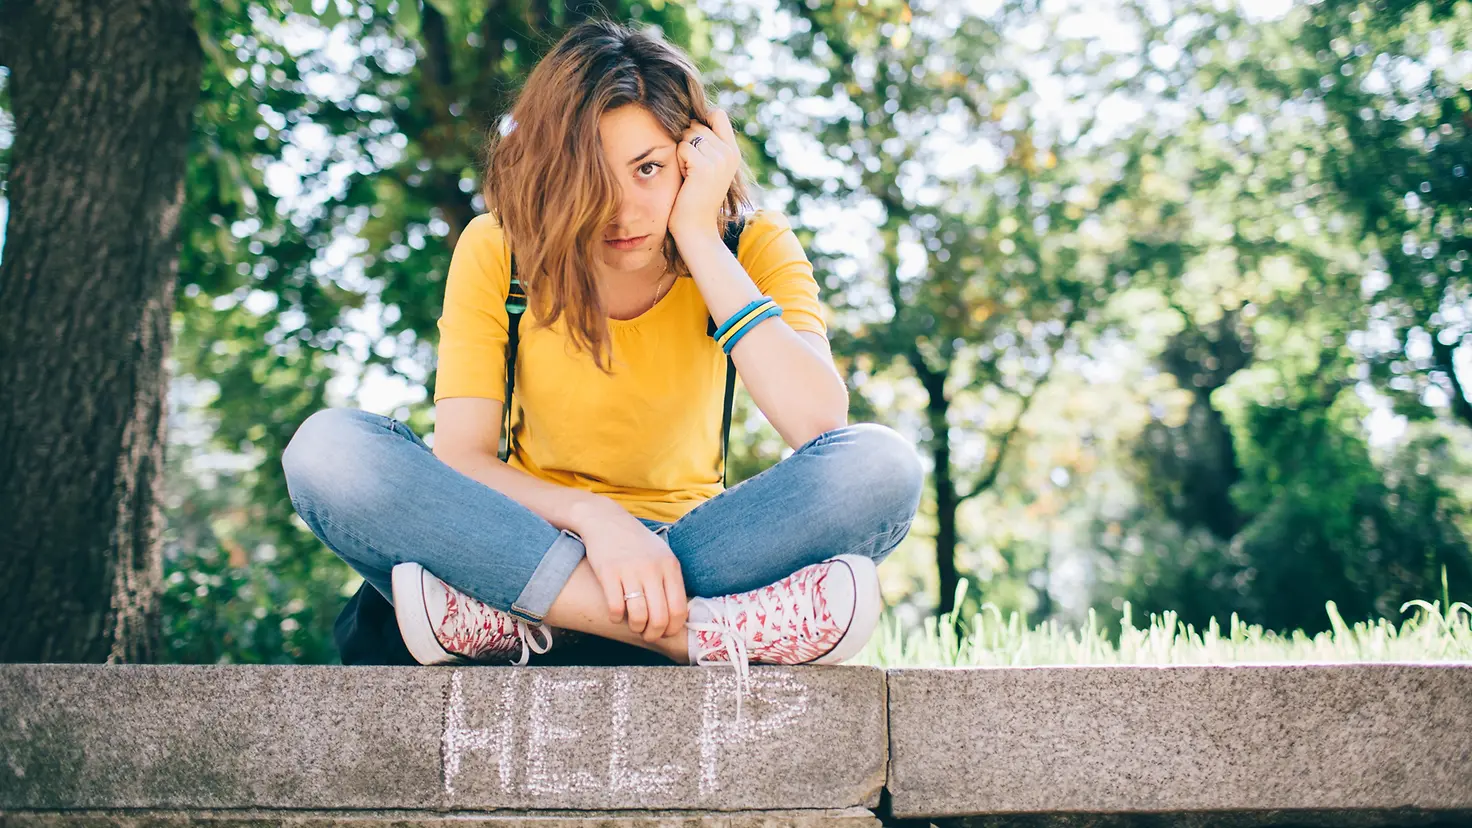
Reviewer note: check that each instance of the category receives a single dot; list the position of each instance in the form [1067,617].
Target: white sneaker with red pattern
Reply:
[820,614]
[442,625]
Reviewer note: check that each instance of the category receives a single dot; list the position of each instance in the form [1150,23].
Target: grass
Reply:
[1436,631]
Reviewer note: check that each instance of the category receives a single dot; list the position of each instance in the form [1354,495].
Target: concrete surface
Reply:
[1048,747]
[1261,743]
[311,737]
[842,818]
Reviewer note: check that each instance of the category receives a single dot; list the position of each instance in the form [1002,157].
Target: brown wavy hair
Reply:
[548,184]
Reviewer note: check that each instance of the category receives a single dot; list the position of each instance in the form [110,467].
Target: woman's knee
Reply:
[882,470]
[324,449]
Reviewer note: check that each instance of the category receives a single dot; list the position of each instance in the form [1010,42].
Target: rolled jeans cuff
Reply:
[549,578]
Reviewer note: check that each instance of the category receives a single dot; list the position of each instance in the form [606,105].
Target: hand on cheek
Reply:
[708,160]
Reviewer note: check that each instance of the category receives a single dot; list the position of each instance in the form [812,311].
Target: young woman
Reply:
[613,187]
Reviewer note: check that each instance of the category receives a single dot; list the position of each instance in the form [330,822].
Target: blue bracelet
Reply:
[736,317]
[745,318]
[775,310]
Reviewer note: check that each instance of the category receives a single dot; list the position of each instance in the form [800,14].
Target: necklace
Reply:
[658,283]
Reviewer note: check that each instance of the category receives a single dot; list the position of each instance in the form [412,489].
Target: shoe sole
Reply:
[861,626]
[413,618]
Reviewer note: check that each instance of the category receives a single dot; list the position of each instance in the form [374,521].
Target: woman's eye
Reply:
[649,164]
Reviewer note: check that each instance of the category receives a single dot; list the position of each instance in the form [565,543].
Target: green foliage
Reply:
[982,290]
[1333,168]
[233,591]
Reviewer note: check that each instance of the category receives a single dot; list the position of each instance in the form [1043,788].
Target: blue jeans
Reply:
[377,496]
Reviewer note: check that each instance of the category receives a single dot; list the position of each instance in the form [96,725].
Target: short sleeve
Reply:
[473,332]
[771,253]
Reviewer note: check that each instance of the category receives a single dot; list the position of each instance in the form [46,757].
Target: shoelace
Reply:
[471,633]
[767,599]
[528,640]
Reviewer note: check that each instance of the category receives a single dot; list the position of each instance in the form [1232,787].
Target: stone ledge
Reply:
[1301,745]
[76,736]
[1214,819]
[1359,744]
[835,818]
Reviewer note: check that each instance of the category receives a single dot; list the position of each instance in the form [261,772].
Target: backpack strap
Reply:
[516,306]
[732,238]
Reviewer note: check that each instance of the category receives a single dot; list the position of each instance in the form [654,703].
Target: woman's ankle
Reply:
[676,647]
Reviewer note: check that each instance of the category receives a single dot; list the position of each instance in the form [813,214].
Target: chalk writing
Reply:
[534,737]
[782,709]
[546,729]
[621,778]
[458,738]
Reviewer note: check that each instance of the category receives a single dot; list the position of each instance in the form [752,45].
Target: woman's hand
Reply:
[708,166]
[627,556]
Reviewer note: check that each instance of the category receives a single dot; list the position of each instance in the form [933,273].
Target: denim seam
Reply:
[867,542]
[393,426]
[889,535]
[897,535]
[822,439]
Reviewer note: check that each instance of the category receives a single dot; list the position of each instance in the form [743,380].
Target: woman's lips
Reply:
[626,244]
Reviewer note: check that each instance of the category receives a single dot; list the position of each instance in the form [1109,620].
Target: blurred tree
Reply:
[102,96]
[982,277]
[1265,499]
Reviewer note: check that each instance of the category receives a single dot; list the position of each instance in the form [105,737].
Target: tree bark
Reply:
[947,502]
[103,94]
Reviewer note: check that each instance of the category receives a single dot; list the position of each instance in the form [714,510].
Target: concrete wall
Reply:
[1242,745]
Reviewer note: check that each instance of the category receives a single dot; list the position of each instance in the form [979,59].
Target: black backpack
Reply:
[516,306]
[366,630]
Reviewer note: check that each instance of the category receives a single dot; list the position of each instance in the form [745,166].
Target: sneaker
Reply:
[820,614]
[442,625]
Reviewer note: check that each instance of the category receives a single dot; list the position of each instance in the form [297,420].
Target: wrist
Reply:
[591,510]
[694,233]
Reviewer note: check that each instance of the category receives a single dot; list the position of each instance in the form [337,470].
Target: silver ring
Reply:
[629,595]
[695,142]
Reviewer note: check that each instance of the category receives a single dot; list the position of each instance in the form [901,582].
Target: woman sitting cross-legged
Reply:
[615,187]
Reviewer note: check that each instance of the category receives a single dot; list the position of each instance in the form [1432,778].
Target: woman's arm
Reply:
[793,382]
[792,379]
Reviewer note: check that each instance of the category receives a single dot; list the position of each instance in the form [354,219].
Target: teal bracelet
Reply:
[736,317]
[746,317]
[775,310]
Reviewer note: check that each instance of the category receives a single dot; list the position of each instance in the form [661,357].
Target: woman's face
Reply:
[644,160]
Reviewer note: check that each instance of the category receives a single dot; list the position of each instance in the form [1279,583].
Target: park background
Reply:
[1171,296]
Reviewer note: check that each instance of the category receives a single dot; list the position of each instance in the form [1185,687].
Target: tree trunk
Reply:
[945,514]
[947,501]
[103,93]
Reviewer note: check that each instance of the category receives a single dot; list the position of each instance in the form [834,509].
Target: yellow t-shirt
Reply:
[649,436]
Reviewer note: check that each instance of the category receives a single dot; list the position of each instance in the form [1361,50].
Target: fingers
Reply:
[638,608]
[613,592]
[722,125]
[719,131]
[674,586]
[659,614]
[708,139]
[687,155]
